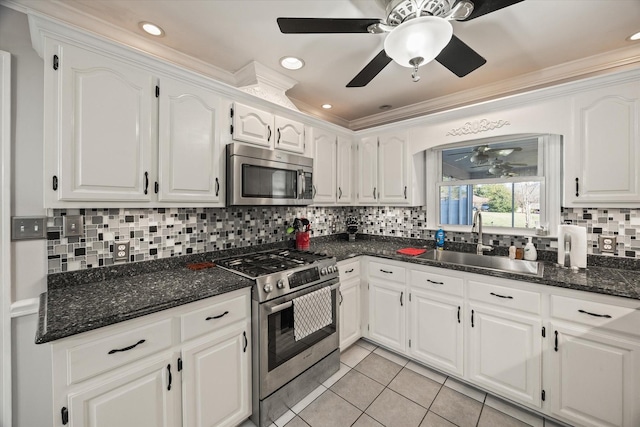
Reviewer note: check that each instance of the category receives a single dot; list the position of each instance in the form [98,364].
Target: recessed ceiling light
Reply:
[291,63]
[635,37]
[152,29]
[327,106]
[385,107]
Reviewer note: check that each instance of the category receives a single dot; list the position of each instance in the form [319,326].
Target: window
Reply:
[514,182]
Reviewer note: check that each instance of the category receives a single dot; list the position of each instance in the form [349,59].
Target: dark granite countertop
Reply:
[82,301]
[604,280]
[70,310]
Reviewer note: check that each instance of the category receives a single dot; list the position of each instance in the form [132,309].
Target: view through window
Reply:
[502,180]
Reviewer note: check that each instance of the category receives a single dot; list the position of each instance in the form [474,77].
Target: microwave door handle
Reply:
[300,183]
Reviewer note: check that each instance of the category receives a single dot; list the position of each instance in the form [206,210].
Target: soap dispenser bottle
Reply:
[530,252]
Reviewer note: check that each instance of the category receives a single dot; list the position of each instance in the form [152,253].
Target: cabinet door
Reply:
[604,160]
[148,396]
[345,171]
[252,125]
[349,312]
[437,331]
[216,380]
[324,167]
[387,314]
[368,171]
[392,155]
[504,353]
[104,123]
[595,378]
[289,135]
[189,154]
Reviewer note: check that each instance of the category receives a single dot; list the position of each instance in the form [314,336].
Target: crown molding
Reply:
[609,62]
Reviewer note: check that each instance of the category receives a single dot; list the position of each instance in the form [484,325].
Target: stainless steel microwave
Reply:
[257,176]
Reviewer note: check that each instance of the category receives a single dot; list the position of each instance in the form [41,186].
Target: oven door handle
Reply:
[288,304]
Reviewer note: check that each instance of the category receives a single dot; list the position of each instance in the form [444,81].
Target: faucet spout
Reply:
[477,228]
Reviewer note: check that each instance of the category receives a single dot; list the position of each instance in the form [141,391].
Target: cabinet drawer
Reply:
[387,272]
[437,282]
[101,355]
[215,316]
[601,315]
[505,297]
[349,271]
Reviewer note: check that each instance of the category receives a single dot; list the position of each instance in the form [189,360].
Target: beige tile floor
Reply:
[375,387]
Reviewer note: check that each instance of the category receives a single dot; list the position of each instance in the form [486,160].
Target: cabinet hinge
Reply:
[368,286]
[367,327]
[157,91]
[64,412]
[409,301]
[179,364]
[54,184]
[231,113]
[409,343]
[544,395]
[231,129]
[56,62]
[156,187]
[544,333]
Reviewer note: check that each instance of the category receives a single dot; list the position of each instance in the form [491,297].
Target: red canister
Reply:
[302,240]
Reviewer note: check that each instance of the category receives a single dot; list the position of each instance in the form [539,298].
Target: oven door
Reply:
[282,358]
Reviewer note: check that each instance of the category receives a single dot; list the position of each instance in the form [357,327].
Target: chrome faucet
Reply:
[477,228]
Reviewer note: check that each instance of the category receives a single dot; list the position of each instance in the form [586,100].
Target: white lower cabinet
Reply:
[437,331]
[595,377]
[186,366]
[143,397]
[349,312]
[214,378]
[388,298]
[504,353]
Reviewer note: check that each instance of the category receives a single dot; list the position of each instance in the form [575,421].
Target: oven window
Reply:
[282,344]
[260,181]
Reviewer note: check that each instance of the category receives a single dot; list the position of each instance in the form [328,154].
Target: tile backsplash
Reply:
[165,232]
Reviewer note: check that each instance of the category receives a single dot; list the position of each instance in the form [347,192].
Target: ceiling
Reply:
[530,44]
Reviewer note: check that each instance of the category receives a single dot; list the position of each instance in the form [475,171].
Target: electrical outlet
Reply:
[121,251]
[73,225]
[607,244]
[28,228]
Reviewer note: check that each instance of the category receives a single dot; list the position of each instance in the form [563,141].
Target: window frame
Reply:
[549,175]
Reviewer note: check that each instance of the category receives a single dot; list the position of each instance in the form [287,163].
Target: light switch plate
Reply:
[120,251]
[28,228]
[607,244]
[73,225]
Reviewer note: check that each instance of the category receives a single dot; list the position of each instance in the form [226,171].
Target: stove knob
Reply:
[330,269]
[280,284]
[268,288]
[323,272]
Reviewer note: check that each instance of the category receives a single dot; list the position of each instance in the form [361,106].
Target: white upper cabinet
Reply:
[324,166]
[252,125]
[99,114]
[602,164]
[345,171]
[262,128]
[393,169]
[188,151]
[388,174]
[368,171]
[290,135]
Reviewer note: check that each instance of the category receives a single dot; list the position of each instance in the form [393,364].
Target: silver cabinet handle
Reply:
[374,192]
[501,296]
[405,192]
[434,282]
[386,271]
[606,316]
[269,135]
[349,271]
[401,295]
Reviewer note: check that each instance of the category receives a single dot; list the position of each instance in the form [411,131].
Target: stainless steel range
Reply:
[295,325]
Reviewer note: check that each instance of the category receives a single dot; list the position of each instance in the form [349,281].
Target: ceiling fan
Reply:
[501,168]
[418,32]
[481,154]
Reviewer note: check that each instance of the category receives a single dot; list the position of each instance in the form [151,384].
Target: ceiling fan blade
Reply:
[482,7]
[324,25]
[459,58]
[370,70]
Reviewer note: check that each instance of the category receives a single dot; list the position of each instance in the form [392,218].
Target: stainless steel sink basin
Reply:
[498,263]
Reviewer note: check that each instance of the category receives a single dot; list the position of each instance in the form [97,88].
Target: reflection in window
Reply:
[503,180]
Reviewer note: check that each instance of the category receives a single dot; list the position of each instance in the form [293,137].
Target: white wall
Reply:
[30,363]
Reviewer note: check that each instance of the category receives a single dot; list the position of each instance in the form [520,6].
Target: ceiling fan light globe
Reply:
[423,37]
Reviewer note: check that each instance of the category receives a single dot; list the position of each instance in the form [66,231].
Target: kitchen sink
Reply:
[498,263]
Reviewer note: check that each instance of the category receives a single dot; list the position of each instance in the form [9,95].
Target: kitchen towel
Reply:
[312,312]
[411,251]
